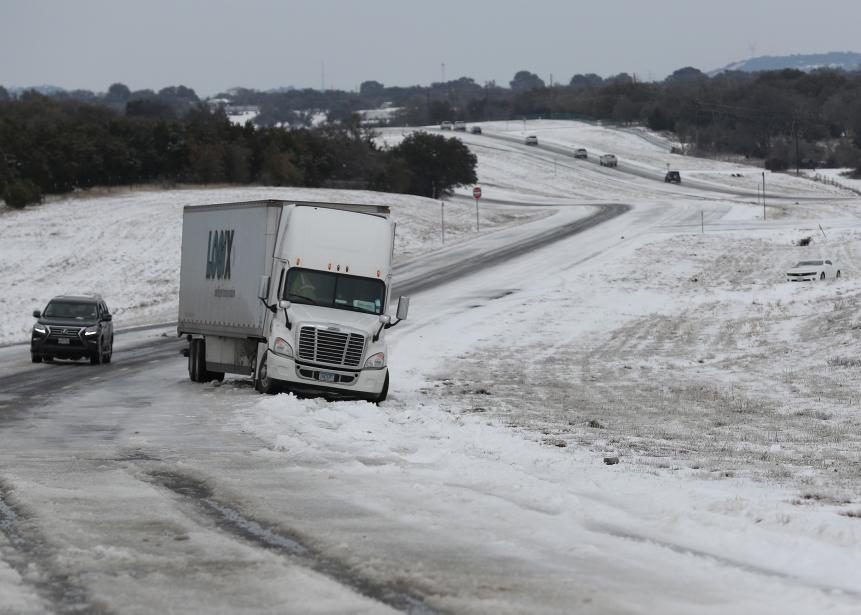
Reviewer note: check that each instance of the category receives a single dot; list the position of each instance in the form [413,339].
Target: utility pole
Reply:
[763,196]
[442,212]
[442,71]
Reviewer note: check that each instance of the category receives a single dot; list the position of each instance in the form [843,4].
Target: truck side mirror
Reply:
[37,314]
[284,304]
[263,288]
[403,308]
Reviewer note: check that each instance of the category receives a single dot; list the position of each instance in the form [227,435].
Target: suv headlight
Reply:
[91,330]
[376,361]
[282,347]
[40,329]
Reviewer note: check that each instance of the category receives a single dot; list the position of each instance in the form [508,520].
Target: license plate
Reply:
[327,377]
[62,340]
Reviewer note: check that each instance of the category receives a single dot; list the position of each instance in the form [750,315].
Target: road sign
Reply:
[476,192]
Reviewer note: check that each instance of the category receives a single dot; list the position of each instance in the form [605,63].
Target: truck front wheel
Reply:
[263,382]
[384,393]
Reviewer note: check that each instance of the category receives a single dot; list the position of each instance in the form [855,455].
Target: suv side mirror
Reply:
[109,317]
[37,314]
[403,308]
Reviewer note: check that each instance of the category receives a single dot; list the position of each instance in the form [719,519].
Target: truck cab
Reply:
[333,288]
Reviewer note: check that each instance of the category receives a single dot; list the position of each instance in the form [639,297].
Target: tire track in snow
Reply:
[27,550]
[234,521]
[723,561]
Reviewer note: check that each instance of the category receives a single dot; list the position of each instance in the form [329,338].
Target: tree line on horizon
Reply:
[51,145]
[783,117]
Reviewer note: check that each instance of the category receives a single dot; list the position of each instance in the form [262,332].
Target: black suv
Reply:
[73,328]
[673,177]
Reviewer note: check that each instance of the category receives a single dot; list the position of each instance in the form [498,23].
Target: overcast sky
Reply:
[212,45]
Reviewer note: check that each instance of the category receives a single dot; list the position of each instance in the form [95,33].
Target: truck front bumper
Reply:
[304,378]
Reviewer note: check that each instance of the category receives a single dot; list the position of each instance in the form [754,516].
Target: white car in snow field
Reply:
[812,270]
[531,140]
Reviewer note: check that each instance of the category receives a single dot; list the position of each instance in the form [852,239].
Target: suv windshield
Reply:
[335,290]
[809,264]
[70,309]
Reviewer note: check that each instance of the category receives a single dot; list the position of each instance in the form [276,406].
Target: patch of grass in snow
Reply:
[721,381]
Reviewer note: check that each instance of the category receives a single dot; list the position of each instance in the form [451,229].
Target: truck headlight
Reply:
[376,361]
[89,331]
[282,347]
[40,329]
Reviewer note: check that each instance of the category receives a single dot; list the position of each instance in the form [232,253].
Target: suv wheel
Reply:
[106,356]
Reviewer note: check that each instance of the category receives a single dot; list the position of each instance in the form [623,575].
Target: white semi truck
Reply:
[294,294]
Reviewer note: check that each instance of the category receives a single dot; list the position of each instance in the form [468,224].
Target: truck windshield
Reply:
[335,290]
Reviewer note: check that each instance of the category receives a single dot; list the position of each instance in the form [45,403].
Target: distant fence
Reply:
[829,180]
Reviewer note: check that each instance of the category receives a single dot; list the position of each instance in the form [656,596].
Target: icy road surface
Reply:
[728,397]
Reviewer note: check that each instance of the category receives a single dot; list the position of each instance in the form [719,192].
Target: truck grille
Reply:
[336,348]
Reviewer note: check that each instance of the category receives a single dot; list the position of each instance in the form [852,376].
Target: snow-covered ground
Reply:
[665,339]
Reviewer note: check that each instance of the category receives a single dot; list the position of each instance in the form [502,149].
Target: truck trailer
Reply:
[294,294]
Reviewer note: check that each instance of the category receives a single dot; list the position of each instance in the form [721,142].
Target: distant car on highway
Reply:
[673,177]
[73,327]
[531,140]
[608,160]
[581,153]
[460,126]
[806,271]
[445,126]
[476,130]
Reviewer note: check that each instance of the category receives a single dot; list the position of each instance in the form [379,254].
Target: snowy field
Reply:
[664,341]
[127,247]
